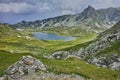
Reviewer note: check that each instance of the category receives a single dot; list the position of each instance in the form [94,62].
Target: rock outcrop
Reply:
[26,65]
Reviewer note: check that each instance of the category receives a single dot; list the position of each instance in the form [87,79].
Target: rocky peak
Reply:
[90,8]
[88,12]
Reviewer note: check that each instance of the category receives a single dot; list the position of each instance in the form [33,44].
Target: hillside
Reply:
[103,51]
[6,31]
[81,56]
[90,20]
[12,49]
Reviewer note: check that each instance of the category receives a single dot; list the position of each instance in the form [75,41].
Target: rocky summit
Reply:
[26,65]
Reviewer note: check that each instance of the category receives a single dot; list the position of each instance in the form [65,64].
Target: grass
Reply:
[76,66]
[13,48]
[113,50]
[67,31]
[6,59]
[80,67]
[22,45]
[24,42]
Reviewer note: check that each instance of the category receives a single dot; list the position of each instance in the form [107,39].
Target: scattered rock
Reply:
[105,40]
[115,66]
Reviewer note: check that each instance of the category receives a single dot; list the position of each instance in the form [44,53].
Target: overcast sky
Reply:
[13,11]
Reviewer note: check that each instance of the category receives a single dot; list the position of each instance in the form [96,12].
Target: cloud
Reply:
[65,6]
[14,7]
[42,7]
[17,10]
[23,7]
[79,5]
[105,3]
[73,5]
[63,12]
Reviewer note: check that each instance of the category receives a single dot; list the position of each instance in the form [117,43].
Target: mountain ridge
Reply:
[90,19]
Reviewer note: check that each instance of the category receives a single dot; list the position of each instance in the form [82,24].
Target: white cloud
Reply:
[43,7]
[22,7]
[105,3]
[14,7]
[65,6]
[69,4]
[63,12]
[78,5]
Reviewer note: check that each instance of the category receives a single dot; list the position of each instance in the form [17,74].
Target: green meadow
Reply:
[13,47]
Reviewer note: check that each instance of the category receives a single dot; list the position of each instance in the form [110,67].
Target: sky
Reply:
[14,11]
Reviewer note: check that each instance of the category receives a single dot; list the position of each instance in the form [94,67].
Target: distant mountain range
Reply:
[89,20]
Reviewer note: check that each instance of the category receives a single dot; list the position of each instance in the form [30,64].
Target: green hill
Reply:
[6,31]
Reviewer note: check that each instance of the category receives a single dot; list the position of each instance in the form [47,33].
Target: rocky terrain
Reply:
[90,20]
[26,65]
[52,76]
[29,68]
[94,53]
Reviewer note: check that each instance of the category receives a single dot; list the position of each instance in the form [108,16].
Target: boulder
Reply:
[26,65]
[115,66]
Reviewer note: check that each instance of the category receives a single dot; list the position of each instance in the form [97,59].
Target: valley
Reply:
[85,45]
[12,48]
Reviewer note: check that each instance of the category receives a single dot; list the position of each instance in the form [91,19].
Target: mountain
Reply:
[103,51]
[89,20]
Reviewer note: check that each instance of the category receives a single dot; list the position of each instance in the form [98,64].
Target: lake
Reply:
[47,36]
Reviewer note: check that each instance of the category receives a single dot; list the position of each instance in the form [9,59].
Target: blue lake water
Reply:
[47,36]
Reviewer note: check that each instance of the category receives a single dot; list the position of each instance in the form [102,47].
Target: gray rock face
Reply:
[26,64]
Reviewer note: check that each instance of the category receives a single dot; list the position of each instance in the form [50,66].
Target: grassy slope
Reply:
[80,67]
[67,31]
[115,47]
[6,59]
[113,50]
[23,46]
[7,32]
[69,66]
